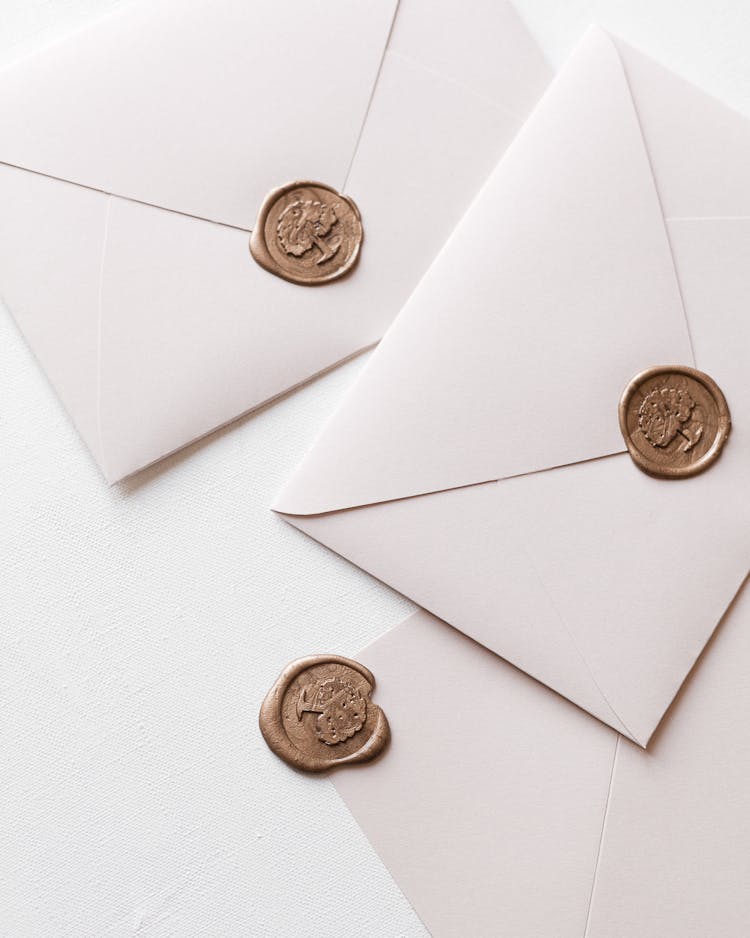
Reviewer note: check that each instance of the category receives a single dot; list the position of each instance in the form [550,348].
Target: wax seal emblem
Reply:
[319,714]
[675,421]
[308,233]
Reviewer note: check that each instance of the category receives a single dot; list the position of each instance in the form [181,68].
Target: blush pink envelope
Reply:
[467,469]
[501,810]
[134,156]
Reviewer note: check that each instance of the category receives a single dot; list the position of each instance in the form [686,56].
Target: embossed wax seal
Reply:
[308,233]
[675,421]
[319,715]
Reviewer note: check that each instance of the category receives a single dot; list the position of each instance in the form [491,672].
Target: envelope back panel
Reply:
[680,120]
[488,805]
[51,246]
[675,857]
[194,333]
[505,812]
[199,107]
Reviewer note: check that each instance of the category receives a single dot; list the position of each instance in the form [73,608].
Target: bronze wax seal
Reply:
[675,421]
[308,233]
[319,714]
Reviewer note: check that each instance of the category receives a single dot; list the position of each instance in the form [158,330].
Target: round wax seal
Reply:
[308,233]
[675,421]
[319,714]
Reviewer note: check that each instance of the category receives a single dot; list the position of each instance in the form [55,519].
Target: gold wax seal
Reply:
[319,715]
[308,233]
[675,421]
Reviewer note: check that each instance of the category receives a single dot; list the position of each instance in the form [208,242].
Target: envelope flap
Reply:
[557,286]
[449,553]
[199,107]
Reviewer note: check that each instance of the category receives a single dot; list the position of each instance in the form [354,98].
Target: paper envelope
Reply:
[465,468]
[501,810]
[135,155]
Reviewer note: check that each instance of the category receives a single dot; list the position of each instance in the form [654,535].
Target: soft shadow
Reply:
[143,477]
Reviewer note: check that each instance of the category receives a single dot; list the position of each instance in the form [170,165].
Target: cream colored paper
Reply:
[467,466]
[170,121]
[502,810]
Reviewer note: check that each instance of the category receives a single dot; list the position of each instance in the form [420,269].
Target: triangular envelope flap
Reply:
[199,107]
[557,286]
[450,553]
[699,148]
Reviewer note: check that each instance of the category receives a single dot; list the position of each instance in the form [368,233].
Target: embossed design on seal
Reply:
[341,709]
[319,714]
[307,233]
[675,421]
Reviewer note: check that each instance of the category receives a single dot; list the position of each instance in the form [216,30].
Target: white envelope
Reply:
[135,154]
[501,810]
[466,467]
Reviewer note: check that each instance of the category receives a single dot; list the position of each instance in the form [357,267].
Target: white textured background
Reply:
[141,625]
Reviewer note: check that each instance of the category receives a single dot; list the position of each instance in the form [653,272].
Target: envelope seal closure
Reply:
[307,233]
[675,421]
[319,715]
